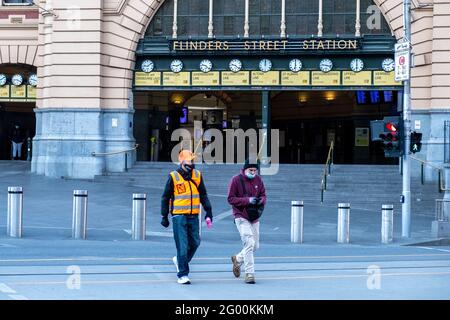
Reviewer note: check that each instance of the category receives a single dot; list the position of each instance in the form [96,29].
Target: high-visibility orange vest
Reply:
[186,195]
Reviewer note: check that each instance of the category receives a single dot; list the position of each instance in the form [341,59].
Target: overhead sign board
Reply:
[362,78]
[177,79]
[241,78]
[271,78]
[147,79]
[301,78]
[206,79]
[332,78]
[258,79]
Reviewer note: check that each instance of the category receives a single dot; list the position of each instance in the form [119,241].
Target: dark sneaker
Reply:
[249,278]
[236,267]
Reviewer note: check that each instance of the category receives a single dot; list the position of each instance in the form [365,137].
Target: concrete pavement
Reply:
[47,264]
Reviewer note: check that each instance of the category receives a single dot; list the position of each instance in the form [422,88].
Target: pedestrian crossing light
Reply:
[391,136]
[416,142]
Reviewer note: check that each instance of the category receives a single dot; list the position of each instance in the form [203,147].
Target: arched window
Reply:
[302,17]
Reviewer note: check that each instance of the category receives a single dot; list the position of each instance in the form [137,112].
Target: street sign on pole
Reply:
[402,61]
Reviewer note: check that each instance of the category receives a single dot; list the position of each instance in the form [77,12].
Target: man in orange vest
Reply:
[185,191]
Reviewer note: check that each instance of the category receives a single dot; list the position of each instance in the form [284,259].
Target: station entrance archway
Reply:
[307,121]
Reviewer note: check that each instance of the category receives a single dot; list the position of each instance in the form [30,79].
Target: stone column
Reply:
[69,120]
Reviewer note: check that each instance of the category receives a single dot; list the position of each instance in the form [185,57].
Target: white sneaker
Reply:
[175,262]
[184,280]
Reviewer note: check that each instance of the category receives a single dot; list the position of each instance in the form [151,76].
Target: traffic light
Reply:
[392,137]
[416,142]
[390,132]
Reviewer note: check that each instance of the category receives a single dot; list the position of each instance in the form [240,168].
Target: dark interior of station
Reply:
[307,121]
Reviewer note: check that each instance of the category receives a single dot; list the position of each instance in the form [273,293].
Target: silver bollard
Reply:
[79,219]
[15,212]
[343,231]
[138,225]
[387,223]
[297,221]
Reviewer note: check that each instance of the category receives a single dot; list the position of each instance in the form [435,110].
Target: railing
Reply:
[327,170]
[424,163]
[98,154]
[441,207]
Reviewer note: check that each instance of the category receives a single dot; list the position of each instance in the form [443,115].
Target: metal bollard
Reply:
[138,224]
[79,219]
[15,212]
[297,221]
[343,231]
[387,223]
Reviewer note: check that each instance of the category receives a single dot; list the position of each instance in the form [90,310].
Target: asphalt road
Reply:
[291,272]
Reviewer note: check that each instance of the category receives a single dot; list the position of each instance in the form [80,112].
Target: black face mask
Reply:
[189,168]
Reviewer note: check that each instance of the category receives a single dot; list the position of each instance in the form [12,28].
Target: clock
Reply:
[326,65]
[147,66]
[32,80]
[295,65]
[265,65]
[2,80]
[388,64]
[235,65]
[17,80]
[357,65]
[206,65]
[176,66]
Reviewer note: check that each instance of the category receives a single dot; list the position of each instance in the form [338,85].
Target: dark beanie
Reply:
[251,164]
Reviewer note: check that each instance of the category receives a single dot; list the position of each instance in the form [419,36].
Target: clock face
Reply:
[357,65]
[147,66]
[326,65]
[2,79]
[206,65]
[388,65]
[32,80]
[17,80]
[295,65]
[235,65]
[265,65]
[176,66]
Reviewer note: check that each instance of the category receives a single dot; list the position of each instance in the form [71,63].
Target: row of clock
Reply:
[18,80]
[265,65]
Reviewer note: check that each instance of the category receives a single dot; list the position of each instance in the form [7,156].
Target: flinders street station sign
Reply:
[263,45]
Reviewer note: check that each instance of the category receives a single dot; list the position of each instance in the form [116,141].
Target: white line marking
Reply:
[311,277]
[223,215]
[227,258]
[5,289]
[17,297]
[436,249]
[153,233]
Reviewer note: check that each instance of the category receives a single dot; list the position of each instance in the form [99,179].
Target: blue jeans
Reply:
[187,240]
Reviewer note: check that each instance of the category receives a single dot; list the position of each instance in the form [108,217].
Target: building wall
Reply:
[85,62]
[18,35]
